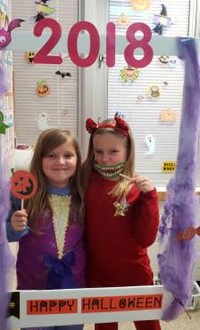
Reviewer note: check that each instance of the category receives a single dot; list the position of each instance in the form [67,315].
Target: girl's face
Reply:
[60,165]
[109,149]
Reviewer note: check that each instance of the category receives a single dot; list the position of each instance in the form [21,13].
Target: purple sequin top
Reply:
[32,269]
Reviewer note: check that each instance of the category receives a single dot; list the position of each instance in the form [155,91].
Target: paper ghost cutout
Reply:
[43,121]
[150,143]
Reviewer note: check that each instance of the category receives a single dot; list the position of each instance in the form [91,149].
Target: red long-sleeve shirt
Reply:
[117,245]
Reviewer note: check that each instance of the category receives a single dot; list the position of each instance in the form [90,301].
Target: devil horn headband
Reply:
[120,125]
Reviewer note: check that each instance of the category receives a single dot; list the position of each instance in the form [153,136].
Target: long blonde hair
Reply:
[39,203]
[122,185]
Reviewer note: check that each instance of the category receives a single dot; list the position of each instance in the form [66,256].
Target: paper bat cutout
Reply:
[5,35]
[63,74]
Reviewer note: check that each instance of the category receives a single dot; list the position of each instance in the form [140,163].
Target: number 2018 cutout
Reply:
[43,55]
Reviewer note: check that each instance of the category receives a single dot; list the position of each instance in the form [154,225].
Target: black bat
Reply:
[63,74]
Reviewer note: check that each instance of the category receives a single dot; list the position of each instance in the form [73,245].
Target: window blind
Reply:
[60,107]
[134,100]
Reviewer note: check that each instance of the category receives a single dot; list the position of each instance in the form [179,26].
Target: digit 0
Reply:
[135,43]
[94,44]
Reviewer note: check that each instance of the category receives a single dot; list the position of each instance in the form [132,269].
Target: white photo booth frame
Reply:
[116,304]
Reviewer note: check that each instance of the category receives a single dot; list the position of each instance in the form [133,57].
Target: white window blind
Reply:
[132,98]
[61,106]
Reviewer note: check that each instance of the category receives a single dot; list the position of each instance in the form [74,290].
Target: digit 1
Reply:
[110,44]
[94,44]
[138,43]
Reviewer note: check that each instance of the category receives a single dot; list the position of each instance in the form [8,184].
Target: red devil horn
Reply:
[91,126]
[121,125]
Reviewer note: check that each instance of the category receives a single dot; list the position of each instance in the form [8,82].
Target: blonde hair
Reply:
[39,203]
[122,185]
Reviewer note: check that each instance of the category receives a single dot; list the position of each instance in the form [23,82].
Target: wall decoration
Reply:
[123,20]
[4,20]
[149,140]
[42,121]
[129,74]
[42,88]
[164,59]
[168,115]
[4,81]
[168,166]
[173,62]
[161,21]
[140,97]
[154,91]
[140,5]
[63,74]
[5,35]
[42,9]
[3,126]
[29,57]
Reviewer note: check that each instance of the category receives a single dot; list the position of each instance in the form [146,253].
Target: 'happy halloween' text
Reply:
[121,303]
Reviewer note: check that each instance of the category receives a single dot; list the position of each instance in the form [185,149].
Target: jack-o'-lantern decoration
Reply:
[23,184]
[42,89]
[29,57]
[140,5]
[168,115]
[123,20]
[129,74]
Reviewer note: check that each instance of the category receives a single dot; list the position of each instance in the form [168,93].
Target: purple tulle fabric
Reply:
[4,83]
[6,258]
[180,210]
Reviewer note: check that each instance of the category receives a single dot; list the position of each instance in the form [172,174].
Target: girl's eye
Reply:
[98,152]
[51,155]
[68,155]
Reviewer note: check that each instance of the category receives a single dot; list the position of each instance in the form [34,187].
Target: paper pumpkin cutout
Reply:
[23,184]
[129,74]
[150,143]
[154,91]
[29,57]
[168,115]
[42,88]
[3,126]
[123,20]
[140,5]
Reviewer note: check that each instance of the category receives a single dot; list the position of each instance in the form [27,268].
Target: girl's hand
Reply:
[142,183]
[19,220]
